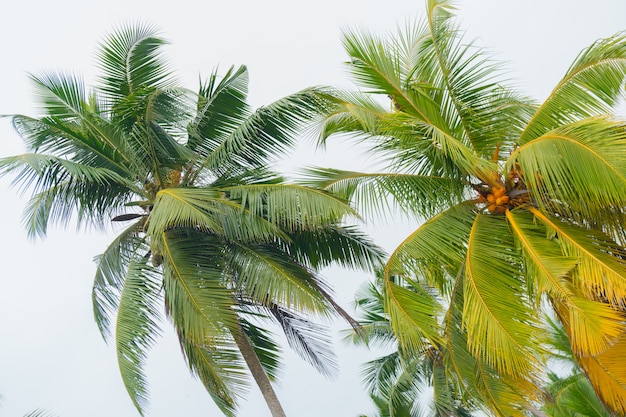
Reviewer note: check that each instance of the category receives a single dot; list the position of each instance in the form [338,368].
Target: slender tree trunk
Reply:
[258,373]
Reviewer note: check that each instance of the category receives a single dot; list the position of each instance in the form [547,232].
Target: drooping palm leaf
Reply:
[111,271]
[137,327]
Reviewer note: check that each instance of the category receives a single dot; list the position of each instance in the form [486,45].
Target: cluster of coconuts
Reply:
[498,199]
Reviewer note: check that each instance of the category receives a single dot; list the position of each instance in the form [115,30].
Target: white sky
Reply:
[51,355]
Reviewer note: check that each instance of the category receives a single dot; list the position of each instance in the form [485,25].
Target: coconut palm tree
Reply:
[209,231]
[402,383]
[521,205]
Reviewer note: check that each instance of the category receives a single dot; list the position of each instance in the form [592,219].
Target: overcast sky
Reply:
[51,354]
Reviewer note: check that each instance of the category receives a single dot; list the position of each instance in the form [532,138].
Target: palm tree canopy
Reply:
[210,230]
[522,205]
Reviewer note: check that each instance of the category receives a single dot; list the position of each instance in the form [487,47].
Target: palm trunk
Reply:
[258,373]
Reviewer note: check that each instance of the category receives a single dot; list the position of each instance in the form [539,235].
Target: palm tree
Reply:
[215,236]
[521,204]
[402,383]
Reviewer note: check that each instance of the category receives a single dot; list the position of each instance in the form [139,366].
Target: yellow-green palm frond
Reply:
[209,210]
[351,113]
[414,315]
[594,325]
[581,166]
[481,384]
[502,328]
[590,87]
[436,250]
[601,269]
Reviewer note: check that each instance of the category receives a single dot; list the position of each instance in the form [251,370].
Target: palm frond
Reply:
[435,251]
[423,195]
[130,59]
[292,207]
[268,276]
[601,268]
[585,171]
[268,132]
[111,270]
[64,102]
[209,210]
[591,87]
[502,328]
[197,297]
[574,395]
[414,315]
[608,376]
[351,113]
[221,371]
[221,109]
[482,385]
[309,340]
[394,382]
[594,325]
[265,348]
[62,188]
[137,327]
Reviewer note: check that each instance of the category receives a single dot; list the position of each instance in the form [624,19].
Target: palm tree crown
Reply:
[522,206]
[214,234]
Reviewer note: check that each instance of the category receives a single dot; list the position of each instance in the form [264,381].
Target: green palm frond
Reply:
[221,108]
[338,245]
[591,87]
[268,132]
[221,371]
[137,327]
[423,195]
[502,327]
[111,271]
[375,325]
[394,383]
[197,297]
[267,275]
[93,142]
[65,104]
[574,395]
[130,59]
[62,188]
[266,349]
[471,99]
[311,341]
[292,207]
